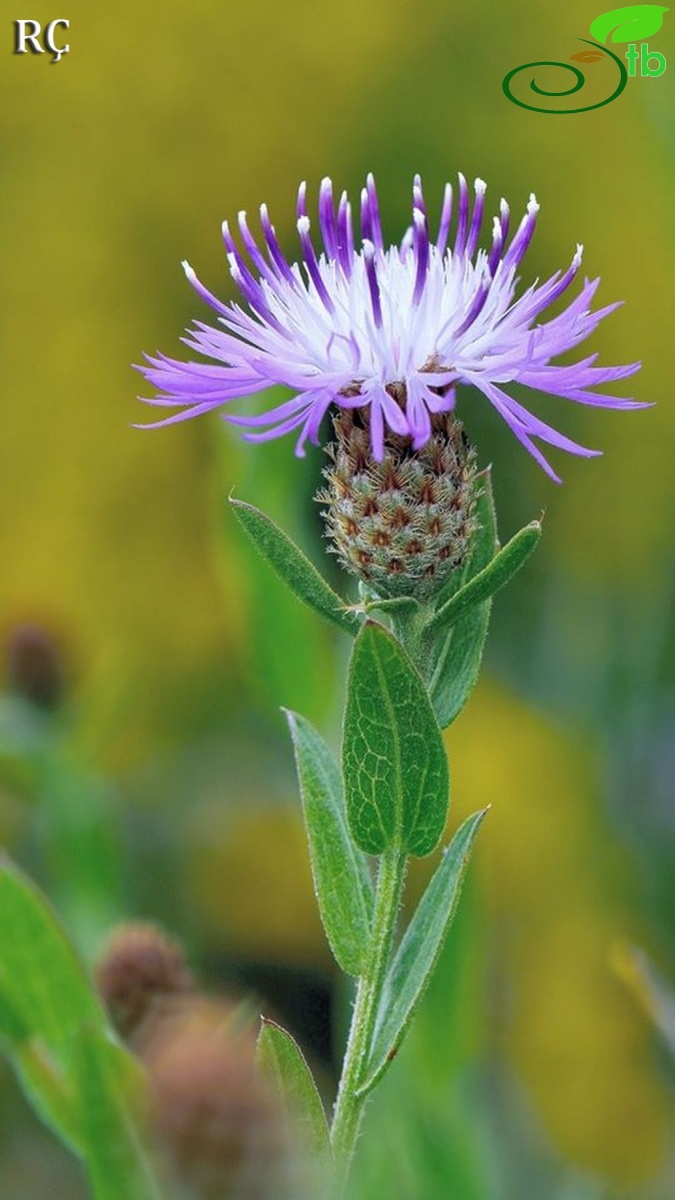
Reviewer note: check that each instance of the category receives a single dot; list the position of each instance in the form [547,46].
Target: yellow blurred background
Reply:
[179,647]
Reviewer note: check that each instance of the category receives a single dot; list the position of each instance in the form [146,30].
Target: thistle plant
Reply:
[377,340]
[144,1078]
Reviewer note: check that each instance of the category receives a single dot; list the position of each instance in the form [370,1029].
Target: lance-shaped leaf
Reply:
[293,567]
[631,23]
[115,1161]
[396,605]
[282,1062]
[342,880]
[42,1081]
[394,762]
[45,999]
[418,953]
[453,652]
[499,571]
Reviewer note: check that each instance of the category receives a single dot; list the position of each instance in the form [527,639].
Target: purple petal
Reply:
[371,274]
[523,235]
[311,430]
[392,412]
[312,264]
[497,246]
[504,218]
[419,422]
[327,218]
[375,213]
[477,219]
[274,249]
[518,429]
[421,244]
[195,411]
[345,235]
[268,435]
[377,431]
[533,425]
[280,413]
[446,218]
[418,196]
[463,217]
[254,253]
[205,294]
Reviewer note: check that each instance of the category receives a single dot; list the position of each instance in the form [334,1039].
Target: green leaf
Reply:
[45,998]
[395,605]
[632,23]
[505,564]
[116,1164]
[341,877]
[419,951]
[293,567]
[42,1082]
[282,1062]
[394,762]
[453,652]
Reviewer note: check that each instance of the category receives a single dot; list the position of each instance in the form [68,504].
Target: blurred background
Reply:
[145,769]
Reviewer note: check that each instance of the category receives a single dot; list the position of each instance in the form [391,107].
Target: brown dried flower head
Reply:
[140,968]
[217,1129]
[34,666]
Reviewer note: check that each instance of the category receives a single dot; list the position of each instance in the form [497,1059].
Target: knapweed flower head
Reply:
[404,524]
[391,329]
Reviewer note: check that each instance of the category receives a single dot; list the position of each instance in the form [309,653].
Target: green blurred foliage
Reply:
[532,1071]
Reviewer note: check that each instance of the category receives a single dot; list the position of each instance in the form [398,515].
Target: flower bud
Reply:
[403,524]
[217,1129]
[140,969]
[34,667]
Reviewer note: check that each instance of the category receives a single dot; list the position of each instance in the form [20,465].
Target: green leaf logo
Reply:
[630,24]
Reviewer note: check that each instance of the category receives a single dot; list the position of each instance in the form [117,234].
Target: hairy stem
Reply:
[349,1106]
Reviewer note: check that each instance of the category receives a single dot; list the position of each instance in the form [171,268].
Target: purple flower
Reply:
[391,328]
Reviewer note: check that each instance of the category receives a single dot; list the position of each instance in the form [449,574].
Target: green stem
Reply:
[410,627]
[349,1106]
